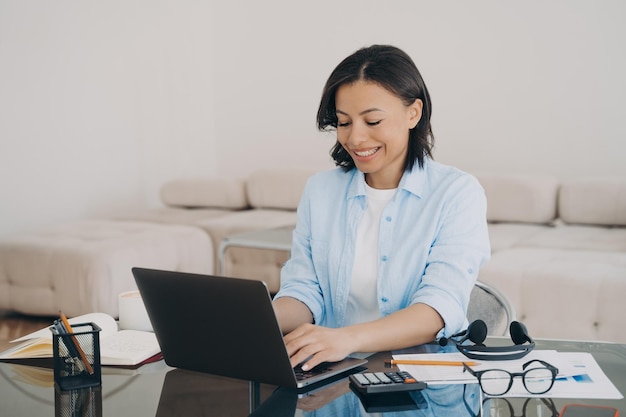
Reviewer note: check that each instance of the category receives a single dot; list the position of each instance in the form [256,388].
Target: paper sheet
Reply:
[590,381]
[579,374]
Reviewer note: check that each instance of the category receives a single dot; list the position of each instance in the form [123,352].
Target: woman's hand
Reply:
[313,345]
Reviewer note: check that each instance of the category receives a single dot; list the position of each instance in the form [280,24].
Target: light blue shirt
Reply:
[433,240]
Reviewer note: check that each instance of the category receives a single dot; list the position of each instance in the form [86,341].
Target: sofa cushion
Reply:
[506,235]
[277,189]
[599,201]
[520,198]
[594,238]
[205,192]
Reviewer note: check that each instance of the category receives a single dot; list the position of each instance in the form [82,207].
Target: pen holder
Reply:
[82,402]
[76,357]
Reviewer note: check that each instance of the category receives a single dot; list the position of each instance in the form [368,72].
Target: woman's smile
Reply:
[363,154]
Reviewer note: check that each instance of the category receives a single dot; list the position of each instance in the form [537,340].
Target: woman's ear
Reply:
[415,113]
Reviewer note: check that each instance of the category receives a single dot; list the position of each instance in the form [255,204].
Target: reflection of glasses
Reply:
[533,407]
[536,380]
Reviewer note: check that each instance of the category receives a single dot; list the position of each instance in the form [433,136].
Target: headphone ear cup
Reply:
[519,334]
[477,332]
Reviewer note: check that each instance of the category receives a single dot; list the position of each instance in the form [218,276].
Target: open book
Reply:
[124,348]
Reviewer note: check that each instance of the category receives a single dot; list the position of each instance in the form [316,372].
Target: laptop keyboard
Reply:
[318,370]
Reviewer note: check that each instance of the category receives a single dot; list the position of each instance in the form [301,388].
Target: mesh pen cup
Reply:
[77,357]
[81,402]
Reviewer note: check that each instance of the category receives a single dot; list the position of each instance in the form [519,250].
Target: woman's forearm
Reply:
[414,325]
[291,313]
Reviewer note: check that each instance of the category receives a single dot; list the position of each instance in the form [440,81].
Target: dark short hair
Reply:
[394,70]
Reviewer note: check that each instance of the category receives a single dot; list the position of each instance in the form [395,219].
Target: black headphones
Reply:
[476,333]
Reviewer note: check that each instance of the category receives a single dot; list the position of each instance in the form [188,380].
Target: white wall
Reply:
[102,101]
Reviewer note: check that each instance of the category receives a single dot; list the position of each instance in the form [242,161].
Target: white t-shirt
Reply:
[363,297]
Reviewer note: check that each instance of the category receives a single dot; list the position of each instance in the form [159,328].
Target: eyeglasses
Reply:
[537,380]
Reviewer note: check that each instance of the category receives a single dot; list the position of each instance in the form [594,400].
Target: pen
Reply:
[71,349]
[68,327]
[428,362]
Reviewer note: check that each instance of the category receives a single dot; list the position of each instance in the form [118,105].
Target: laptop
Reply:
[224,326]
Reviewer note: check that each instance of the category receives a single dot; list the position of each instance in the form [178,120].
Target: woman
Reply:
[387,247]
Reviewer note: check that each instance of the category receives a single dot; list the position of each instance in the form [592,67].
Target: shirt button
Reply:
[388,218]
[384,299]
[384,258]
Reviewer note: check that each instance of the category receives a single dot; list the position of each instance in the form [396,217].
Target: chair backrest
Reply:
[490,305]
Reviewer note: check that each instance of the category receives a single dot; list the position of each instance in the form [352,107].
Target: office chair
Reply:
[488,304]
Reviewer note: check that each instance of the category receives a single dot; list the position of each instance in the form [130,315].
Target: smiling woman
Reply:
[387,247]
[373,127]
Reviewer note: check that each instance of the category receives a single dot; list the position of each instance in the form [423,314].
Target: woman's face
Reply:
[373,127]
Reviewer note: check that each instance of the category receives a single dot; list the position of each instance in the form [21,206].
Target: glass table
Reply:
[158,390]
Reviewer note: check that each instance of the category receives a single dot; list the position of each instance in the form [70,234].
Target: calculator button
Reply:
[361,379]
[394,377]
[407,378]
[372,378]
[383,378]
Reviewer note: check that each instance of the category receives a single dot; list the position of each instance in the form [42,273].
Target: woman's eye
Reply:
[343,124]
[374,123]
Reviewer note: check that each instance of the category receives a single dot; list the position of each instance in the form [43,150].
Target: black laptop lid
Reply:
[199,327]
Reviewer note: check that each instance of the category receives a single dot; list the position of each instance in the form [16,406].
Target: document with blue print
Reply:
[579,375]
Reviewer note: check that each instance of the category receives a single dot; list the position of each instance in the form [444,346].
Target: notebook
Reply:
[223,326]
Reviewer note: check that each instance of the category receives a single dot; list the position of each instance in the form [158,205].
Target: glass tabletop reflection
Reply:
[158,390]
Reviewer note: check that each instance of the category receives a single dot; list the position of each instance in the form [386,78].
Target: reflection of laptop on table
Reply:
[223,326]
[187,393]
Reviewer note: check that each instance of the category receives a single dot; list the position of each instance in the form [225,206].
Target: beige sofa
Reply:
[82,266]
[558,247]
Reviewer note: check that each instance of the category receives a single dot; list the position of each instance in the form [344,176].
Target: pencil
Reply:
[71,348]
[83,357]
[428,362]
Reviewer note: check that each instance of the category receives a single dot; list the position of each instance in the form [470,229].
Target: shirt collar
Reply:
[357,184]
[412,181]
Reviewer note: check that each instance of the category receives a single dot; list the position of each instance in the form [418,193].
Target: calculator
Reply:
[381,382]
